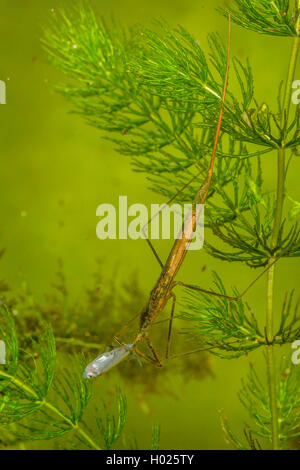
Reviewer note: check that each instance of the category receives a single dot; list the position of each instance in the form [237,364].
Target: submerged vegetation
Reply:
[42,401]
[40,358]
[156,95]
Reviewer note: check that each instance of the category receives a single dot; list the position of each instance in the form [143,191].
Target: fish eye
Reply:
[88,375]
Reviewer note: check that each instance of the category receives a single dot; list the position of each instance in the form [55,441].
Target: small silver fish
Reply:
[106,361]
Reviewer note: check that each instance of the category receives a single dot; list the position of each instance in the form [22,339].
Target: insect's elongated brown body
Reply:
[162,291]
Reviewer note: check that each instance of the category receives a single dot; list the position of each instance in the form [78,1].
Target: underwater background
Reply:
[54,172]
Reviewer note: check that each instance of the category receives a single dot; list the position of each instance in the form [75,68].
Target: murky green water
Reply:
[55,171]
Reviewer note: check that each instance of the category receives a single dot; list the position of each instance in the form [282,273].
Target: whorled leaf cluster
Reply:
[273,18]
[156,93]
[255,398]
[230,329]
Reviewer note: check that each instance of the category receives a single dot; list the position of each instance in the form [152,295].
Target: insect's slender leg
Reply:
[226,297]
[189,353]
[165,320]
[161,209]
[119,333]
[263,272]
[125,327]
[152,348]
[209,292]
[146,357]
[170,324]
[116,339]
[239,297]
[141,354]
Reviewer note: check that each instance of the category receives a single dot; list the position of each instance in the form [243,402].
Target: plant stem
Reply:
[280,196]
[271,366]
[75,342]
[281,171]
[18,383]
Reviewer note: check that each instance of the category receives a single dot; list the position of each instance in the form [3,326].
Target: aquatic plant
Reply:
[156,94]
[41,399]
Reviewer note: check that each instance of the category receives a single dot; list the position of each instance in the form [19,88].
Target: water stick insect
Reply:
[163,289]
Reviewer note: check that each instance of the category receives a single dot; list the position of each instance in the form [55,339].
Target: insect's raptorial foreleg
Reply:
[116,339]
[137,351]
[223,296]
[157,214]
[156,361]
[125,327]
[171,324]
